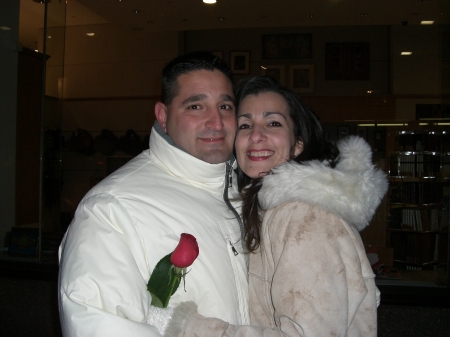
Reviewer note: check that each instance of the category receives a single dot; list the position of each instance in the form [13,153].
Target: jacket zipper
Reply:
[228,184]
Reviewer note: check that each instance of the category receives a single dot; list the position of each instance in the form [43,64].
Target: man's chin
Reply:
[215,158]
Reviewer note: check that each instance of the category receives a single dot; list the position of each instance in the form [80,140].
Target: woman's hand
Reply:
[177,315]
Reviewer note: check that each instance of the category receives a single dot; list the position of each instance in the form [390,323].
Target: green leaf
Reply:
[156,302]
[163,282]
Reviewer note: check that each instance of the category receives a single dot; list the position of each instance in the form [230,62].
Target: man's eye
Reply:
[194,107]
[226,107]
[244,126]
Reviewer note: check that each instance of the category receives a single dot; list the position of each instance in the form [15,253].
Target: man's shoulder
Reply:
[131,173]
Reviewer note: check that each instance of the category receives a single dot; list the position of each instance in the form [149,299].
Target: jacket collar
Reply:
[352,190]
[178,163]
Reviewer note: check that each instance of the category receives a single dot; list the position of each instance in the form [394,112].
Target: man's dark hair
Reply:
[199,60]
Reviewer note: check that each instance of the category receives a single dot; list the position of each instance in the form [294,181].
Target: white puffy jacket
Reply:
[132,219]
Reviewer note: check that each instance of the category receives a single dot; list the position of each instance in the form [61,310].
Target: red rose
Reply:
[186,252]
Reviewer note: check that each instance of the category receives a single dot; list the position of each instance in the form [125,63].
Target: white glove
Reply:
[159,317]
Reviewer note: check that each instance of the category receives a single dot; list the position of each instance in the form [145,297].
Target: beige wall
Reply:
[9,48]
[112,80]
[250,40]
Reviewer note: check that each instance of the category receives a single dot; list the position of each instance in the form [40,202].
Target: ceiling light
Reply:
[364,14]
[222,19]
[41,1]
[5,28]
[310,16]
[90,34]
[263,67]
[426,22]
[136,11]
[209,1]
[406,53]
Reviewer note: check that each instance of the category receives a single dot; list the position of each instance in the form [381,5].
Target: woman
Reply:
[303,205]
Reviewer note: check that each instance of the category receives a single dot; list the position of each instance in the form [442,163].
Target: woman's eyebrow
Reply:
[268,113]
[245,116]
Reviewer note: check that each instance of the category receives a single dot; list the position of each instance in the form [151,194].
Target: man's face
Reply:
[201,119]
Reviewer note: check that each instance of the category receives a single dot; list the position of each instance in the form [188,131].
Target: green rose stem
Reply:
[163,282]
[169,271]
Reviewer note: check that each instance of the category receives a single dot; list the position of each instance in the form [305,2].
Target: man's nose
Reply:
[214,121]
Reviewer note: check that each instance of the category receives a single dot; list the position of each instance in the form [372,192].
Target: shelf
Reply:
[408,205]
[424,264]
[417,232]
[418,179]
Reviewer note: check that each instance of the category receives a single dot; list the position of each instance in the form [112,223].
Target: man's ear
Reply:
[161,115]
[298,148]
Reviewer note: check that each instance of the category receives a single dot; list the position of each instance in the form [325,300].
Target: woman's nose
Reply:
[257,134]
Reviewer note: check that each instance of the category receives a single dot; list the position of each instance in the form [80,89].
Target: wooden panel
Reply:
[29,91]
[337,109]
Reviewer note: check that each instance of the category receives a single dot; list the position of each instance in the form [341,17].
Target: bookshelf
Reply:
[418,198]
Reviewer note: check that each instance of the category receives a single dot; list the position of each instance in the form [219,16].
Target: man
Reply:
[134,217]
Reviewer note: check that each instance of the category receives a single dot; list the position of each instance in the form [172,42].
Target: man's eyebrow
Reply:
[194,98]
[226,97]
[199,97]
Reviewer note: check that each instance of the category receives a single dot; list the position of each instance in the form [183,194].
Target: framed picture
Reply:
[347,61]
[240,62]
[24,241]
[301,78]
[277,71]
[361,131]
[343,131]
[286,47]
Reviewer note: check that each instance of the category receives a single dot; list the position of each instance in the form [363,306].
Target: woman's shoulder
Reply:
[352,190]
[293,215]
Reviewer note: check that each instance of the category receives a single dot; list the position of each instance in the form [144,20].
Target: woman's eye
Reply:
[244,126]
[275,123]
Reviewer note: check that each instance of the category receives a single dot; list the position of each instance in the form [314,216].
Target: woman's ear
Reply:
[161,115]
[298,148]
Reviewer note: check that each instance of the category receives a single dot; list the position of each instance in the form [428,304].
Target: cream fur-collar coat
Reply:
[311,276]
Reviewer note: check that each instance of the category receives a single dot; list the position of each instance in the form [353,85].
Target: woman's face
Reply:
[265,136]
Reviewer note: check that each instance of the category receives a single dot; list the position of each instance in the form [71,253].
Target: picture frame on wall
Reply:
[286,47]
[240,62]
[301,78]
[347,61]
[277,71]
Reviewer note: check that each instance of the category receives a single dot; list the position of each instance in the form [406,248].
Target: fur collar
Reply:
[352,190]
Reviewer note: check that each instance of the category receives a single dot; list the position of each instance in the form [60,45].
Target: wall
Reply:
[417,79]
[250,40]
[9,17]
[111,81]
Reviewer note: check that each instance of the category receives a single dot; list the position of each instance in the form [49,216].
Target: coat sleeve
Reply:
[103,273]
[317,285]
